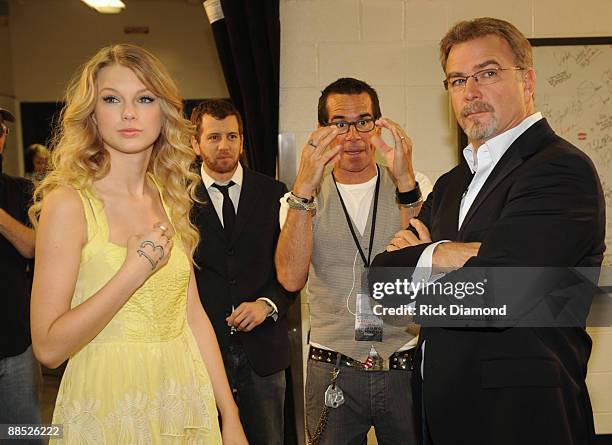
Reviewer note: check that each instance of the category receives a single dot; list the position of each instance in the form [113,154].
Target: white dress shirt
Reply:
[215,194]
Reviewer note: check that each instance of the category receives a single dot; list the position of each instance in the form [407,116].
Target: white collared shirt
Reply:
[215,194]
[482,161]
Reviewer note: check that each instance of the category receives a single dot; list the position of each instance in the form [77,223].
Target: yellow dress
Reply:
[141,380]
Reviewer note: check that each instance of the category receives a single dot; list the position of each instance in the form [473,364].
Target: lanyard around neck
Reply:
[366,262]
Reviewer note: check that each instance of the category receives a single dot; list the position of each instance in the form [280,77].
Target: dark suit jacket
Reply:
[242,269]
[541,206]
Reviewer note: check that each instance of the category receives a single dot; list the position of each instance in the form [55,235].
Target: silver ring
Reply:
[402,138]
[155,247]
[311,143]
[161,227]
[153,262]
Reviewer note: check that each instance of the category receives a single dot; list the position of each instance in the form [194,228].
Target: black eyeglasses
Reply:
[362,125]
[487,76]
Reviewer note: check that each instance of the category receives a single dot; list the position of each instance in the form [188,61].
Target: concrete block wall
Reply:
[392,44]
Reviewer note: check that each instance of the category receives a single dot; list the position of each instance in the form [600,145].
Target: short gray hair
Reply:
[472,29]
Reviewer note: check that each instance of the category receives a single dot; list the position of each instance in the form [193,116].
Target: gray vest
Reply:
[330,276]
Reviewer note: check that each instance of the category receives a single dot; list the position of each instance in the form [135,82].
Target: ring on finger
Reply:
[161,227]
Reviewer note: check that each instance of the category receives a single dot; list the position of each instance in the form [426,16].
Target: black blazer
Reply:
[242,269]
[541,206]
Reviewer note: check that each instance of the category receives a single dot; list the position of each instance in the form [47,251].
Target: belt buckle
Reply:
[375,363]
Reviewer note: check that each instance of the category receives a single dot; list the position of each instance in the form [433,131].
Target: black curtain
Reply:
[248,44]
[38,120]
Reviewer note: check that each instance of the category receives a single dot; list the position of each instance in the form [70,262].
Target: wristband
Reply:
[409,199]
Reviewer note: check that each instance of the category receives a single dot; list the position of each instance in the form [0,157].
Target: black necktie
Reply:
[229,213]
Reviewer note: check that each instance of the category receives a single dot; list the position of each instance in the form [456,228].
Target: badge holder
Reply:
[368,327]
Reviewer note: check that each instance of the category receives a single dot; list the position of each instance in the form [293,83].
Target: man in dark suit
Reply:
[521,197]
[239,227]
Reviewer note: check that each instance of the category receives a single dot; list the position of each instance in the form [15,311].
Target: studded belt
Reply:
[400,361]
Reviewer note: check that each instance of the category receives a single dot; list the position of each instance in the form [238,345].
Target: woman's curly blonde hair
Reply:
[79,157]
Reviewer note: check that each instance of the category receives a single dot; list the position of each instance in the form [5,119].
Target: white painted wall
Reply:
[12,162]
[47,40]
[392,44]
[6,63]
[51,38]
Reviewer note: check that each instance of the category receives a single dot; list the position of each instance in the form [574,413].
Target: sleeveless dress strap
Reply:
[96,229]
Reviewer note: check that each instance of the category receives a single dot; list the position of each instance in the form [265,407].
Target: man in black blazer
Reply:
[521,197]
[239,227]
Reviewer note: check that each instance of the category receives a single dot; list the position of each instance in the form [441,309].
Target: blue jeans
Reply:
[261,400]
[19,388]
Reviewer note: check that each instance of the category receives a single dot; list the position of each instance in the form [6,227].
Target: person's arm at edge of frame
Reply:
[22,237]
[206,340]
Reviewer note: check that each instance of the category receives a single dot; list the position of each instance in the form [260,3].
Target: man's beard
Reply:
[218,167]
[479,131]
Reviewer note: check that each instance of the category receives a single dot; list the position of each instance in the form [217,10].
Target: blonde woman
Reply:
[114,289]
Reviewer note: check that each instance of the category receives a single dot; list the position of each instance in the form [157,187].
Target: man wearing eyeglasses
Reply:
[337,220]
[521,197]
[19,371]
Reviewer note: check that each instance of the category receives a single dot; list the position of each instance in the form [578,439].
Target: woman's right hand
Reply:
[148,253]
